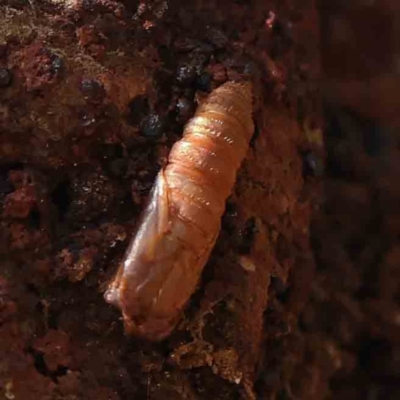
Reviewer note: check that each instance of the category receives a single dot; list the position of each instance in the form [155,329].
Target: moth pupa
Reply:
[182,219]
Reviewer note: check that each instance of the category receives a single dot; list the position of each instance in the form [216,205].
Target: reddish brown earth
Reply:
[93,93]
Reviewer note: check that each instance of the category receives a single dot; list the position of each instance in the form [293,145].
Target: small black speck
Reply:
[57,64]
[152,126]
[39,362]
[312,165]
[255,136]
[5,77]
[118,167]
[203,82]
[138,107]
[166,56]
[277,285]
[111,151]
[281,290]
[247,235]
[35,219]
[61,198]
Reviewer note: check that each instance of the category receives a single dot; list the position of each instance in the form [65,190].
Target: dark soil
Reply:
[93,93]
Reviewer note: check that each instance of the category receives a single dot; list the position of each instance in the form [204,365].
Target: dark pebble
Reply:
[199,60]
[184,108]
[186,73]
[152,126]
[5,77]
[92,89]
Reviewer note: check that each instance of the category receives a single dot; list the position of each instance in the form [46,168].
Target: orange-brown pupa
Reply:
[182,219]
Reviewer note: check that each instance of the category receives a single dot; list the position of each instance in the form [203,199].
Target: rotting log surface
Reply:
[92,96]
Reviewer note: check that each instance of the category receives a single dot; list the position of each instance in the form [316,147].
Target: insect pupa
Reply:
[182,219]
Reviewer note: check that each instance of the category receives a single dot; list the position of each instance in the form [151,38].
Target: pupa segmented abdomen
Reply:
[181,221]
